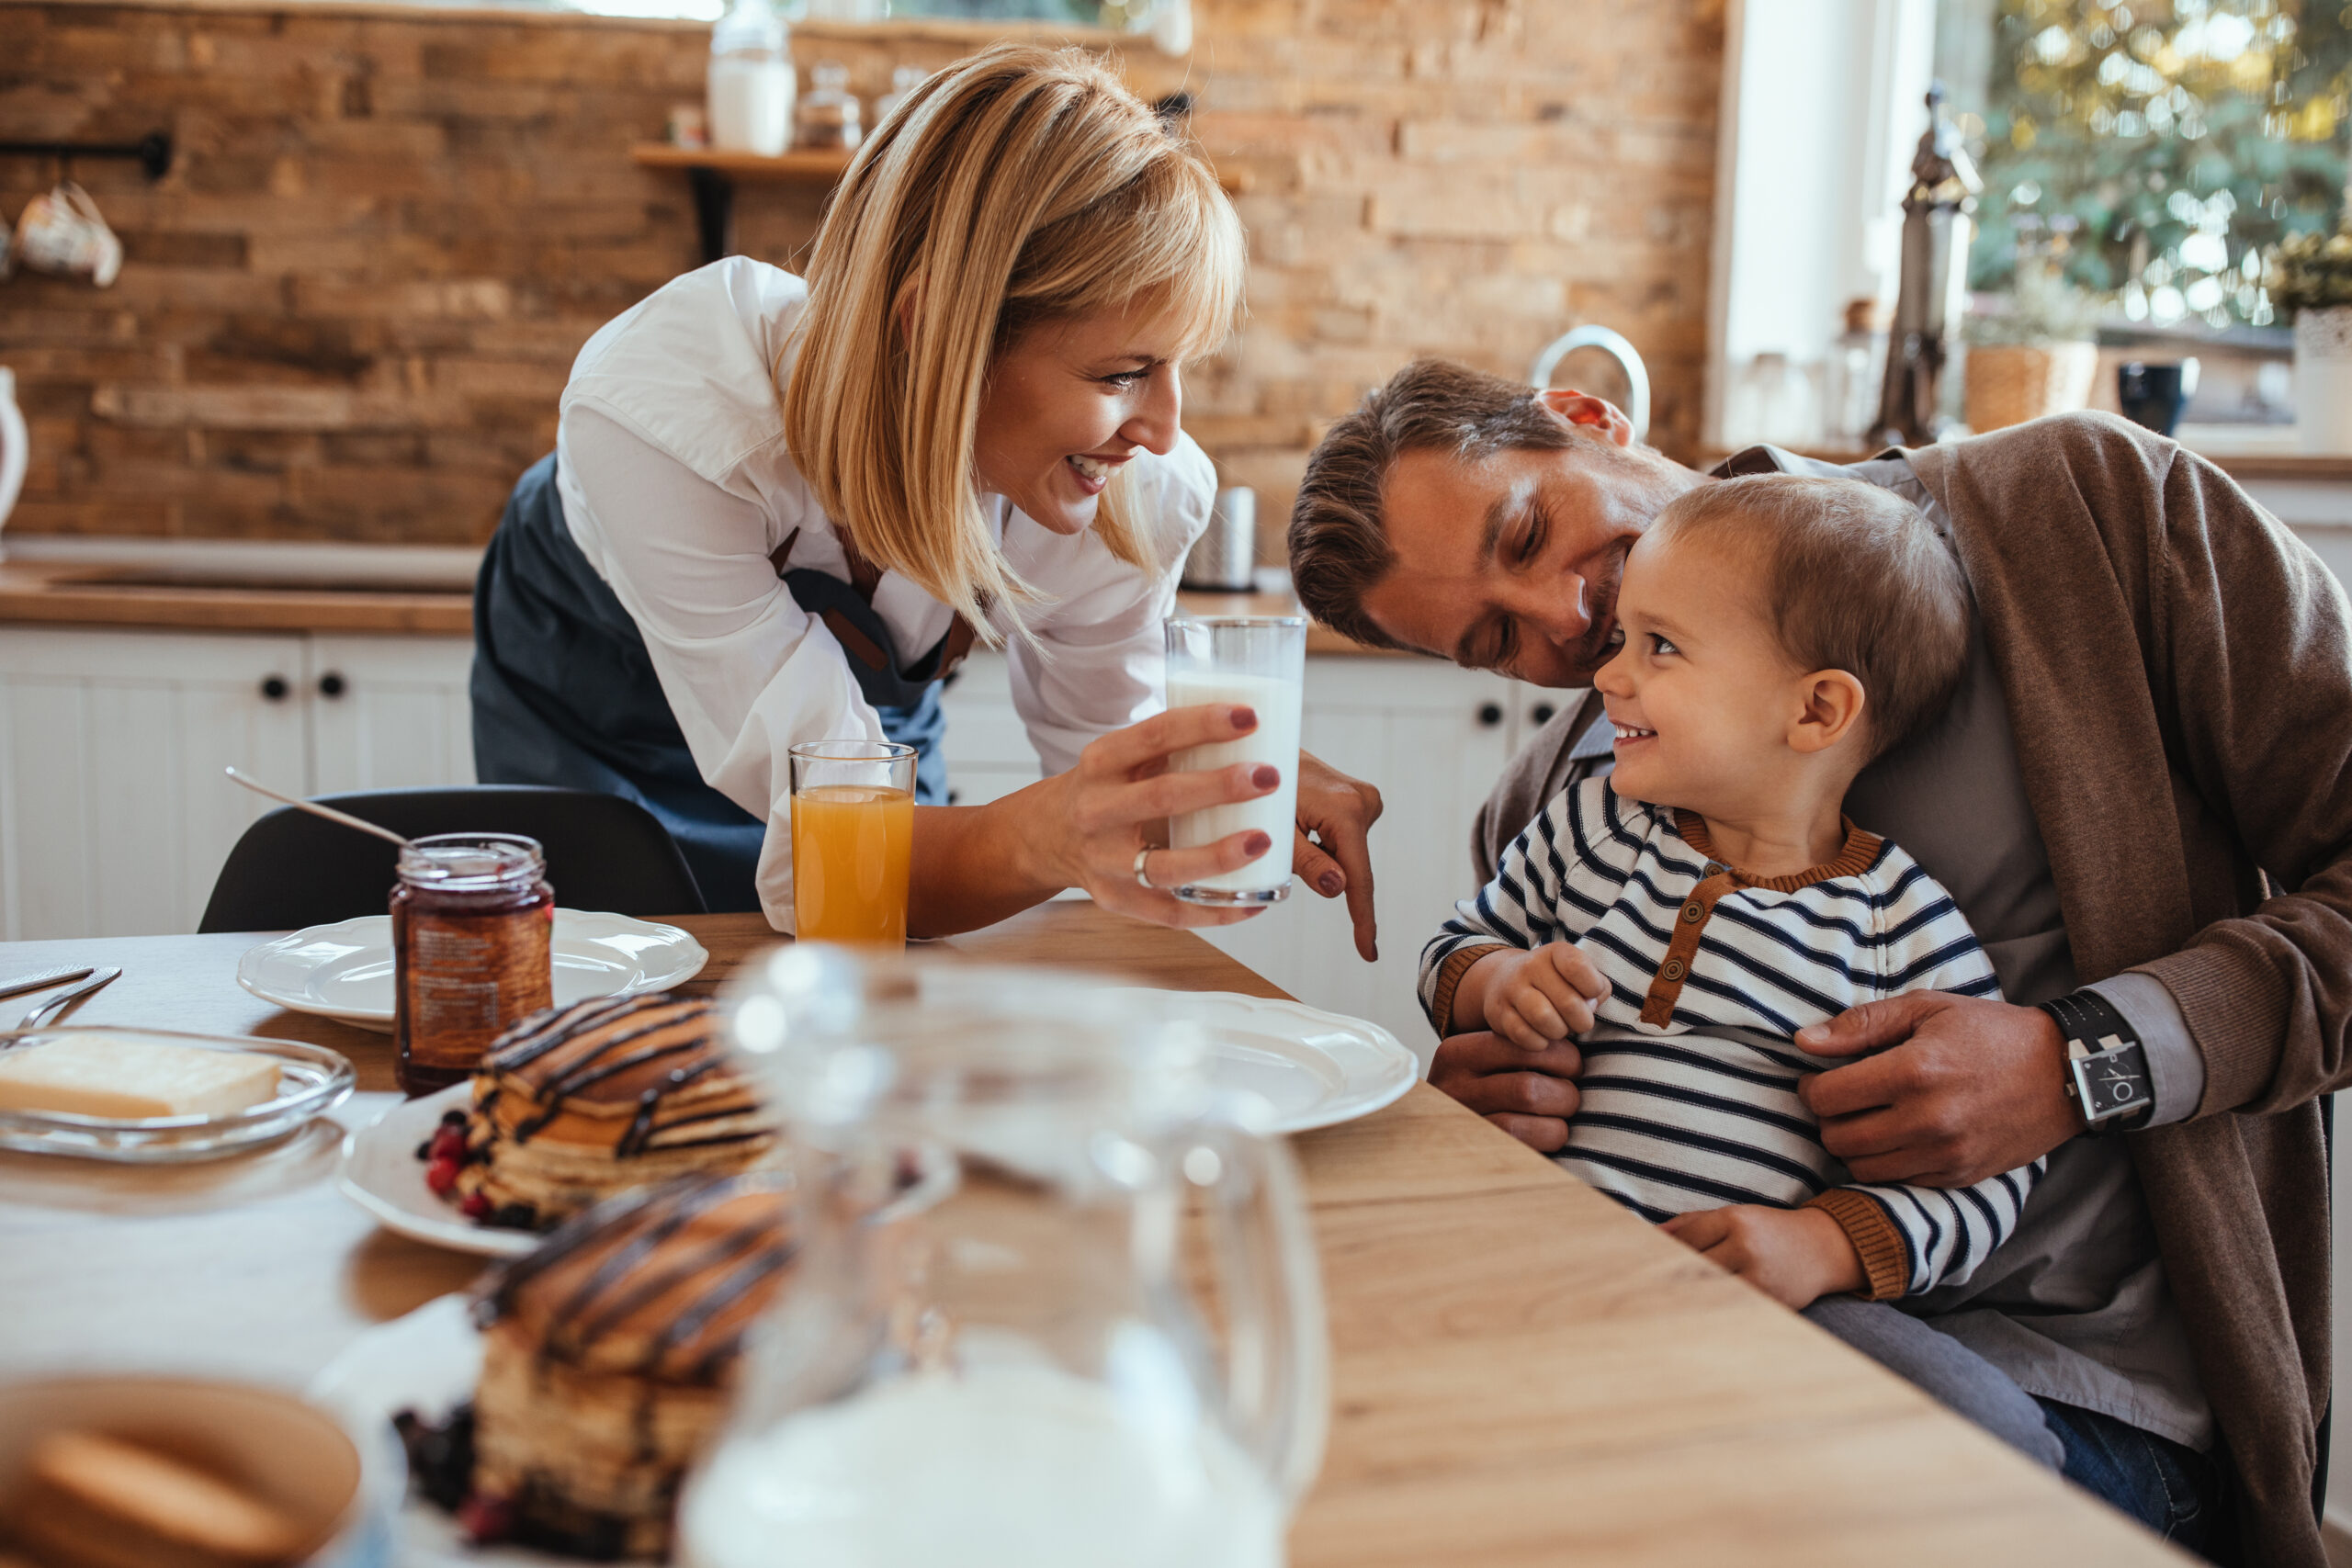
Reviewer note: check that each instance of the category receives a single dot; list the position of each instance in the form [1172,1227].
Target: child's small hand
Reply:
[1533,999]
[1794,1256]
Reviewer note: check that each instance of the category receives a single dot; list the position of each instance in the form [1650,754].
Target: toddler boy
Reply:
[1687,915]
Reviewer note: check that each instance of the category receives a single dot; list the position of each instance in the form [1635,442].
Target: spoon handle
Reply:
[316,809]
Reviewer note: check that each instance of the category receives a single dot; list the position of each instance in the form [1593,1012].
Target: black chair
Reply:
[293,869]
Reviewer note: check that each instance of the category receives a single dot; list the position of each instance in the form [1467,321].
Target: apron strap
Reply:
[862,634]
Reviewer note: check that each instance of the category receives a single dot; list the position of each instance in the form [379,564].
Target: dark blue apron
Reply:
[564,693]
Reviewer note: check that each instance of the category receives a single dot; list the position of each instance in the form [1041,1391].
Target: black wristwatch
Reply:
[2107,1066]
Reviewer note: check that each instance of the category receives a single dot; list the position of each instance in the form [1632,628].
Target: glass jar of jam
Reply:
[472,919]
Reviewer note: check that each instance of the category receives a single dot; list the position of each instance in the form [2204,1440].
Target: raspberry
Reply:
[441,1175]
[485,1519]
[449,1143]
[476,1206]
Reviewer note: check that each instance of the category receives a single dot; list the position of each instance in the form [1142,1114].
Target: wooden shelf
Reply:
[713,173]
[814,167]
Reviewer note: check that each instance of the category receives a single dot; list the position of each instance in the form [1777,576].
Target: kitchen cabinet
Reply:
[115,817]
[390,712]
[1431,737]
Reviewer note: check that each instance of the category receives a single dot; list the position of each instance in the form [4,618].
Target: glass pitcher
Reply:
[1019,1370]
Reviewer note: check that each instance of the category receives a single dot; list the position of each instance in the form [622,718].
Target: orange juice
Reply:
[851,844]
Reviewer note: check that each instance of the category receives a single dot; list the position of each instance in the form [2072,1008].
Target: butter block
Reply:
[120,1076]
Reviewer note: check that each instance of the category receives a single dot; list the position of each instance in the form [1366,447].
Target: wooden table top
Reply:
[1523,1371]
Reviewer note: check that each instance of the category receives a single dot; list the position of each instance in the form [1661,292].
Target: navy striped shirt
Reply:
[1702,1111]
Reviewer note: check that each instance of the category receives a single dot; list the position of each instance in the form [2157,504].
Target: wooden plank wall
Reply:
[347,312]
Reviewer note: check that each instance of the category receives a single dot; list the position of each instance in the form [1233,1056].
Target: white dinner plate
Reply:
[1316,1068]
[344,971]
[427,1362]
[381,1173]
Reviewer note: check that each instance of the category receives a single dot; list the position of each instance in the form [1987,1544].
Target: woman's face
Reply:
[1070,403]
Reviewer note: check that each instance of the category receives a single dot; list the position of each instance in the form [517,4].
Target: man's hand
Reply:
[1529,1094]
[1340,811]
[1794,1256]
[1532,999]
[1962,1090]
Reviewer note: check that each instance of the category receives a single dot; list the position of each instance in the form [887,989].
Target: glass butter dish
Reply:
[311,1081]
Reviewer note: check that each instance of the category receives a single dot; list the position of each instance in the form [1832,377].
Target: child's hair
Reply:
[1853,578]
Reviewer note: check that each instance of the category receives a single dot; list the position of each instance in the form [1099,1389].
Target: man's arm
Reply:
[2255,692]
[2242,634]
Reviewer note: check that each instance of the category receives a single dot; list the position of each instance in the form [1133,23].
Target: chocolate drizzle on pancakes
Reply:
[661,1284]
[576,1103]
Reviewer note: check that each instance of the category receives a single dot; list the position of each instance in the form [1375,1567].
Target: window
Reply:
[2151,150]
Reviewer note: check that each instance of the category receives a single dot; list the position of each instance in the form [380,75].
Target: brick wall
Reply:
[348,310]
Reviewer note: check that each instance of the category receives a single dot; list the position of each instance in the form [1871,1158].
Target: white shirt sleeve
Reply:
[746,671]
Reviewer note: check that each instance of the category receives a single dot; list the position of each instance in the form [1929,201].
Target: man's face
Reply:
[1511,563]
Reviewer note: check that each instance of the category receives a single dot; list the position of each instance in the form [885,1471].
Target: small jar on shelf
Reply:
[830,117]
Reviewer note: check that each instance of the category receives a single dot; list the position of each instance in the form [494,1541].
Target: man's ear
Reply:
[1596,415]
[1832,703]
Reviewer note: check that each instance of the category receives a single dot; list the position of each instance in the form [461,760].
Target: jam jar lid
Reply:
[462,861]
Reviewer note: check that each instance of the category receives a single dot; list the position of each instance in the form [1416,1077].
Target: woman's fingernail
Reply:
[1256,844]
[1267,776]
[1245,718]
[1329,882]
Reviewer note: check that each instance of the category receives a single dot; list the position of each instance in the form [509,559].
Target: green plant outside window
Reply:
[2166,143]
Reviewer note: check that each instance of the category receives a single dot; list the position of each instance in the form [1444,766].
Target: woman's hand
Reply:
[1339,811]
[1097,816]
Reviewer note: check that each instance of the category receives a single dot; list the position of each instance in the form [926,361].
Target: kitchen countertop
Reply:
[60,592]
[83,592]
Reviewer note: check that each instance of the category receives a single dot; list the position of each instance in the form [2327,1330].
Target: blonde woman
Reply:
[780,509]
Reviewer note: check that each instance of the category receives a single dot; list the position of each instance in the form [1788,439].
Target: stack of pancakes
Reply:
[575,1104]
[607,1356]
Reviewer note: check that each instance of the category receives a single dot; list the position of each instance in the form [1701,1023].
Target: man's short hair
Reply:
[1850,577]
[1338,542]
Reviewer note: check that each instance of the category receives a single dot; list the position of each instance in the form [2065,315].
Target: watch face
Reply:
[2112,1082]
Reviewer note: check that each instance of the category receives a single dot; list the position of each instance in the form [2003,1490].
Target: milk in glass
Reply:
[1258,663]
[993,1466]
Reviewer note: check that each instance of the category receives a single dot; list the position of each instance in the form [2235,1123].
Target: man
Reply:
[2141,798]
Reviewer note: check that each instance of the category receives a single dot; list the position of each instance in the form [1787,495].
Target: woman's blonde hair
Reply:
[1021,187]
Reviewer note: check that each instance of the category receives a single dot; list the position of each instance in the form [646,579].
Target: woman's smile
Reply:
[1093,470]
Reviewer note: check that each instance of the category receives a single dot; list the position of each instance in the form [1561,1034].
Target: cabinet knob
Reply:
[1542,713]
[331,684]
[1489,715]
[274,688]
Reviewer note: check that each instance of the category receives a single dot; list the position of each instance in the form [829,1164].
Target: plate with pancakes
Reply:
[571,1106]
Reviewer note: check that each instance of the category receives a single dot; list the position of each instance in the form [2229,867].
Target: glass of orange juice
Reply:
[853,834]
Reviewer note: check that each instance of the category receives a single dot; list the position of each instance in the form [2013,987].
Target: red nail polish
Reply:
[1329,884]
[1256,844]
[1267,776]
[1245,718]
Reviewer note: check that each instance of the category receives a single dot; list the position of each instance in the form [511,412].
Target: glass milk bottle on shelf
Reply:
[1017,1198]
[751,79]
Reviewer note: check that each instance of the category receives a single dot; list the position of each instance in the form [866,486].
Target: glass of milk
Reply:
[1259,662]
[1018,1361]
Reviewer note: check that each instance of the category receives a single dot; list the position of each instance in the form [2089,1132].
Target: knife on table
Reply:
[45,978]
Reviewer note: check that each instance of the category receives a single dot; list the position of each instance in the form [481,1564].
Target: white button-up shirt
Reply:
[676,486]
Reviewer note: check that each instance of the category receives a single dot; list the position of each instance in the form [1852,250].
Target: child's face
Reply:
[1704,700]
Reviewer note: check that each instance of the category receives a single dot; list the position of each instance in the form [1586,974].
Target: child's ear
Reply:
[1832,703]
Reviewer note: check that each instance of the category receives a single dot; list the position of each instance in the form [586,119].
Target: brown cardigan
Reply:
[2179,673]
